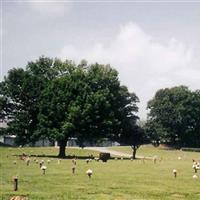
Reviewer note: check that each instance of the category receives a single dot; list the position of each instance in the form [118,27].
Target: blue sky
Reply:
[153,44]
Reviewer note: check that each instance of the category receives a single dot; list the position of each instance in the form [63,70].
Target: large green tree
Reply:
[174,116]
[86,102]
[58,100]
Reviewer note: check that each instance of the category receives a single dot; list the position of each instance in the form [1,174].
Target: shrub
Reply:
[191,149]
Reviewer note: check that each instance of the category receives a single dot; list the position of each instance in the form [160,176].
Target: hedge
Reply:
[191,149]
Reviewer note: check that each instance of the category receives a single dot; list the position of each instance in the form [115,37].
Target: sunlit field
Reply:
[140,179]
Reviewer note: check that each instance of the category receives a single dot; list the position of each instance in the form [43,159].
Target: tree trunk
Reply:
[134,151]
[62,145]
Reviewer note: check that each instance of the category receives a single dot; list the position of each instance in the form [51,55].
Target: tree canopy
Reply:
[174,117]
[57,100]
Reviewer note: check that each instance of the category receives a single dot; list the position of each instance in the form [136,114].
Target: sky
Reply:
[152,44]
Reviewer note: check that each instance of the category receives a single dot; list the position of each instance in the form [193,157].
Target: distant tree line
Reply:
[58,100]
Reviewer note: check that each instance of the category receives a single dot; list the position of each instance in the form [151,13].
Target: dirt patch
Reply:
[178,195]
[19,198]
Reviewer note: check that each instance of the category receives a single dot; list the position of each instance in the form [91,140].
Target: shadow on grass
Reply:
[54,156]
[69,157]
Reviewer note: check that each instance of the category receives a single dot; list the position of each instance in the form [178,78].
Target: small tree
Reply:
[134,136]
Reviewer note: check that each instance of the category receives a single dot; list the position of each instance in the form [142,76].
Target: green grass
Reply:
[114,180]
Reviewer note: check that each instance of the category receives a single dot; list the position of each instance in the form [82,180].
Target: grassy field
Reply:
[114,180]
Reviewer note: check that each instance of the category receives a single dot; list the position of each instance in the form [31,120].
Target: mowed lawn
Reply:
[114,180]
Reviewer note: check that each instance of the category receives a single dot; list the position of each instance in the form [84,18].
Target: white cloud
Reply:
[50,8]
[145,64]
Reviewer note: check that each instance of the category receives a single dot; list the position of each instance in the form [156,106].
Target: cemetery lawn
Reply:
[114,180]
